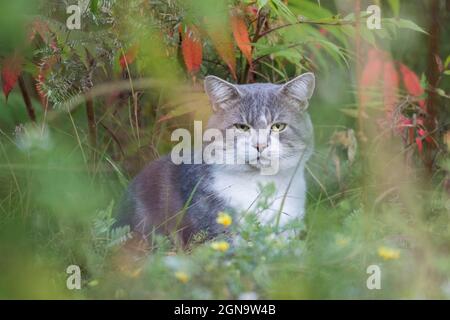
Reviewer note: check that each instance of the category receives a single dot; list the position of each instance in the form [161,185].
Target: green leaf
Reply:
[333,50]
[94,6]
[368,35]
[405,24]
[350,112]
[281,9]
[263,50]
[447,62]
[395,6]
[441,92]
[261,3]
[447,72]
[309,9]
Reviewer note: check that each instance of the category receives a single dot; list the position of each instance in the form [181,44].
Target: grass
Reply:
[57,210]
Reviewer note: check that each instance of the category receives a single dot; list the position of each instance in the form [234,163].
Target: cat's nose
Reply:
[261,146]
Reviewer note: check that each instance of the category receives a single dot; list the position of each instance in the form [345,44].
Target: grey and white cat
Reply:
[186,198]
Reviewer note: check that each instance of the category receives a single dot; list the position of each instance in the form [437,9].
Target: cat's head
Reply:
[269,120]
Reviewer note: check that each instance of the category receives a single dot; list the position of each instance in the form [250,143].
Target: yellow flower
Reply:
[182,276]
[388,253]
[93,283]
[342,241]
[220,246]
[224,219]
[135,273]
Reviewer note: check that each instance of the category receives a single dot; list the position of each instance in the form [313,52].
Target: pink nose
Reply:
[261,146]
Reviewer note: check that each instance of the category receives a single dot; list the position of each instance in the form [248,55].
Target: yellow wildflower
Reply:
[93,283]
[388,253]
[224,219]
[342,241]
[135,273]
[220,246]
[182,276]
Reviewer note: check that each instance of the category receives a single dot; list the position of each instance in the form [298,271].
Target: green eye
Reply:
[278,127]
[241,126]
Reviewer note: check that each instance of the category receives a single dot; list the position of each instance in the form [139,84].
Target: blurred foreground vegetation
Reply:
[85,109]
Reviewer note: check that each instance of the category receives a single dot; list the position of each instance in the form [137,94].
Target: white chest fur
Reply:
[241,191]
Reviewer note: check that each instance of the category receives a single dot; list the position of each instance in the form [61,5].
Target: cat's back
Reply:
[153,197]
[165,197]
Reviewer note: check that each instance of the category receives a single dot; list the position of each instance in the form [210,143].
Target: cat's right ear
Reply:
[221,93]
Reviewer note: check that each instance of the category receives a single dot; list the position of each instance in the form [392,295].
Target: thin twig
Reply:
[27,100]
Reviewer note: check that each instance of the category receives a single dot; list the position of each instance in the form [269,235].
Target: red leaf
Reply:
[410,134]
[192,50]
[372,70]
[128,57]
[323,31]
[12,67]
[371,74]
[390,86]
[419,144]
[241,36]
[424,133]
[412,83]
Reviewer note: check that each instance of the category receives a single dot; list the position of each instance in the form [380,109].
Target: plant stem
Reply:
[27,100]
[433,74]
[248,67]
[91,121]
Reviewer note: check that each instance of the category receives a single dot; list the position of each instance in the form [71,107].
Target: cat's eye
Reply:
[278,127]
[241,126]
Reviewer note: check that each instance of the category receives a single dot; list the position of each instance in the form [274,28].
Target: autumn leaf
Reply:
[372,70]
[390,86]
[419,144]
[220,36]
[12,67]
[371,74]
[412,83]
[224,47]
[241,36]
[192,49]
[128,57]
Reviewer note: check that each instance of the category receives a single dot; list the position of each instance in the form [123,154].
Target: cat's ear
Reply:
[300,88]
[221,93]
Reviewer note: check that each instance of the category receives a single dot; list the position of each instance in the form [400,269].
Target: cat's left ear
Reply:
[300,88]
[221,93]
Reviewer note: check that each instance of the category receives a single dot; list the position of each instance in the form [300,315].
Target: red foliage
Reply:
[128,57]
[192,49]
[241,36]
[380,75]
[390,86]
[371,74]
[412,83]
[12,67]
